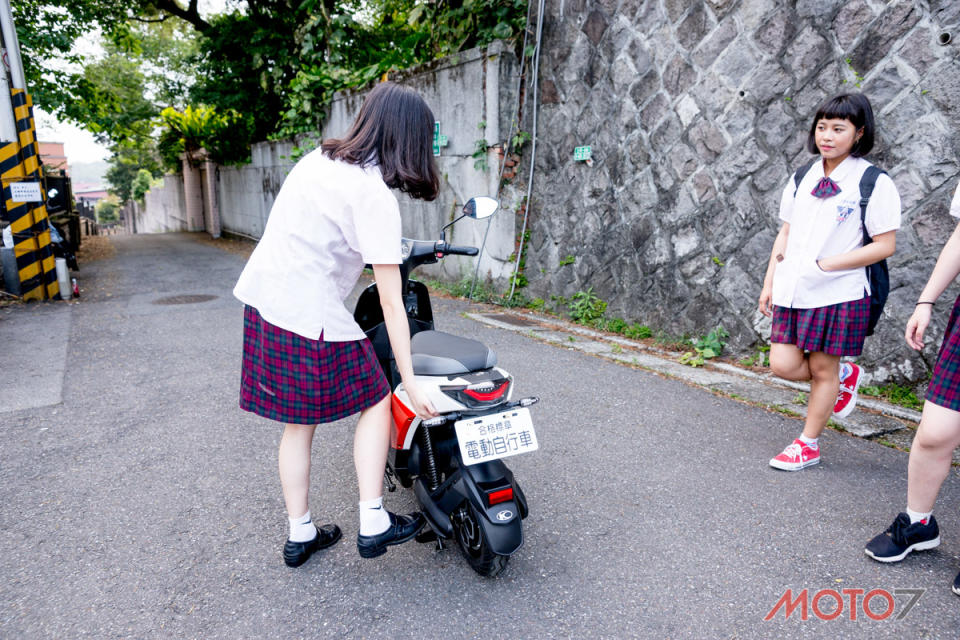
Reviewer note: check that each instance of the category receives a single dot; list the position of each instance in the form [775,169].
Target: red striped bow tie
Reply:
[825,188]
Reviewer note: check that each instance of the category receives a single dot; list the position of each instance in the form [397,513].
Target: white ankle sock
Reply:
[916,516]
[810,442]
[302,529]
[374,518]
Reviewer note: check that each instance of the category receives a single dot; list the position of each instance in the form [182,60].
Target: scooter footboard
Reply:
[501,521]
[438,505]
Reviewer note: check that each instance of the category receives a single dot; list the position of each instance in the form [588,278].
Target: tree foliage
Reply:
[247,65]
[270,67]
[107,210]
[141,184]
[132,88]
[128,159]
[358,41]
[47,31]
[222,134]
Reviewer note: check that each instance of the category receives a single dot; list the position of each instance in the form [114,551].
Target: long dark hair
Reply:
[394,129]
[847,106]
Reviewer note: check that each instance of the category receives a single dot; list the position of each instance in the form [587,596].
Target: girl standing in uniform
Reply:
[305,359]
[816,287]
[939,432]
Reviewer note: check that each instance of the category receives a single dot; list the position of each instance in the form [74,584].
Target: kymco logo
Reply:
[830,604]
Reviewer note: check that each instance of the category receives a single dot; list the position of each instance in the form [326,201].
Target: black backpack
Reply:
[877,273]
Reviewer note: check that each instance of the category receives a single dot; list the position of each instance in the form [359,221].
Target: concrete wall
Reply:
[473,88]
[211,198]
[247,192]
[163,209]
[463,91]
[466,91]
[697,111]
[192,195]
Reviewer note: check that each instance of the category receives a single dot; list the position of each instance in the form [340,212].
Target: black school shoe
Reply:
[401,529]
[296,553]
[901,538]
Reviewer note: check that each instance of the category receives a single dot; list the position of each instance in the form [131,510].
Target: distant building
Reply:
[88,193]
[53,156]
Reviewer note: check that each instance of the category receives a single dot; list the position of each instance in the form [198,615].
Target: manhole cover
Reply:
[185,299]
[507,318]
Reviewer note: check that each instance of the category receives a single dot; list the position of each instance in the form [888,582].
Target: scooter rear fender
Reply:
[501,523]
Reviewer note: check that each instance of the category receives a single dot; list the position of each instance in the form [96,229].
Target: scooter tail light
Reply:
[485,394]
[488,396]
[501,495]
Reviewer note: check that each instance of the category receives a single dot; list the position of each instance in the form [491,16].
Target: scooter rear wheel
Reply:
[474,545]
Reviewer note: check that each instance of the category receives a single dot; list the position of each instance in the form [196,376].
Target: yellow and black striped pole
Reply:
[20,161]
[22,205]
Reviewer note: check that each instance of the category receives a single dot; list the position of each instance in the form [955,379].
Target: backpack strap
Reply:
[867,182]
[800,173]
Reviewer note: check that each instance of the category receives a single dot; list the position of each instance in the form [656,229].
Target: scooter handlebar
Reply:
[450,249]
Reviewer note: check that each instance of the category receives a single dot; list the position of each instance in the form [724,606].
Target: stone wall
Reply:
[697,111]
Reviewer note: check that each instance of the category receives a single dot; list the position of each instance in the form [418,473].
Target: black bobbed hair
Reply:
[854,107]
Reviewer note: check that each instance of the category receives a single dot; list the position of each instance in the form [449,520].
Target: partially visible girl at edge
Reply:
[816,287]
[305,359]
[931,452]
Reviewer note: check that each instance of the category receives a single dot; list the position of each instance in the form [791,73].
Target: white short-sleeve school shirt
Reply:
[824,227]
[329,219]
[955,203]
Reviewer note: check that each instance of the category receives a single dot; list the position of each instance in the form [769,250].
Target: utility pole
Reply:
[21,173]
[8,125]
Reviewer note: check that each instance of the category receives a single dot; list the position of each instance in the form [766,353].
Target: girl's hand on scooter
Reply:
[421,403]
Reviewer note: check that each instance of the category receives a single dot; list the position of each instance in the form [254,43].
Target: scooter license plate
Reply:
[498,435]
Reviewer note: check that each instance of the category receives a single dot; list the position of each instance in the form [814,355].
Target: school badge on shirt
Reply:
[844,209]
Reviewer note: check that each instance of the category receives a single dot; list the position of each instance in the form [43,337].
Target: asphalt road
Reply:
[138,501]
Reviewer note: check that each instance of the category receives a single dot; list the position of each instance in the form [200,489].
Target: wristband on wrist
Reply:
[924,302]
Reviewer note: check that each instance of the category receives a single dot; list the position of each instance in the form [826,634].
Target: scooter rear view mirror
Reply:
[480,207]
[477,208]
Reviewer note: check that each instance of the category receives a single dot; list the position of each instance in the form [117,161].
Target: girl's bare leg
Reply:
[370,444]
[788,361]
[294,457]
[930,455]
[824,385]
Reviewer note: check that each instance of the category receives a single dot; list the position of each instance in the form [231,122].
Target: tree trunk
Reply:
[191,14]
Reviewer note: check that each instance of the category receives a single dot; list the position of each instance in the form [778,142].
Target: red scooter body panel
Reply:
[403,417]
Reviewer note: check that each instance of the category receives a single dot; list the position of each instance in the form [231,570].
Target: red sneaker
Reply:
[795,457]
[847,397]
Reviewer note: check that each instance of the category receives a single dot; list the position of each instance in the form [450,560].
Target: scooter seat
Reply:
[435,353]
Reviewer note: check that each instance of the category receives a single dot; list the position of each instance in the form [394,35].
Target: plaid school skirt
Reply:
[292,379]
[944,387]
[838,329]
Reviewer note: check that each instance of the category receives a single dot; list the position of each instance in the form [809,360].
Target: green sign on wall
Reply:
[439,141]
